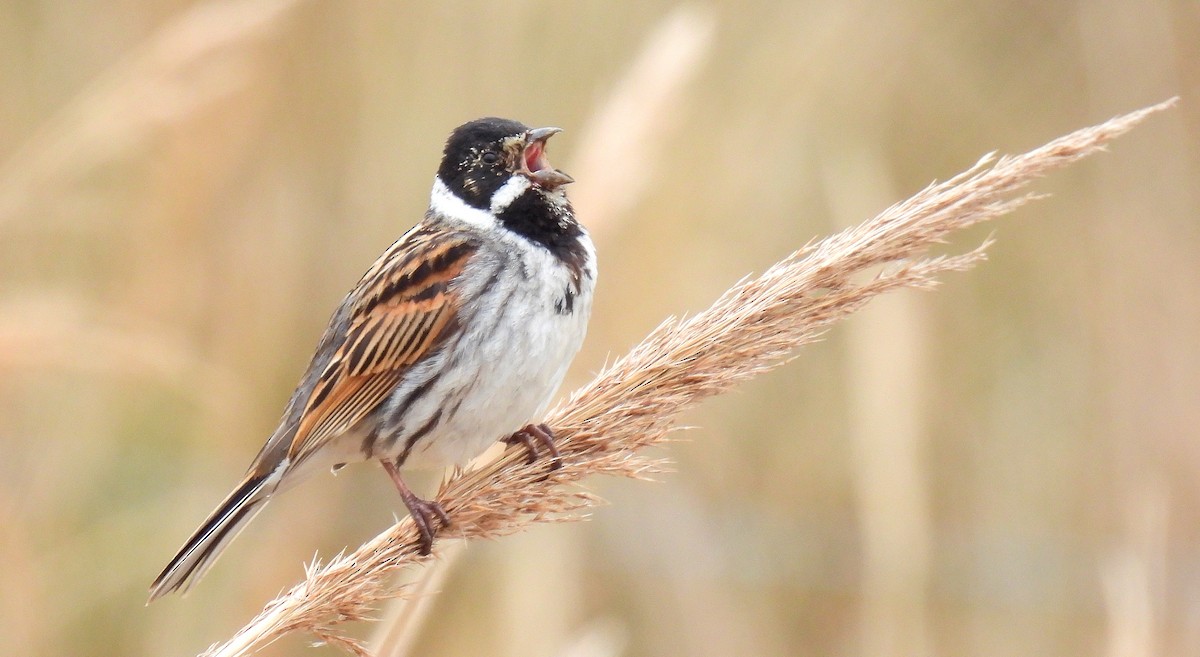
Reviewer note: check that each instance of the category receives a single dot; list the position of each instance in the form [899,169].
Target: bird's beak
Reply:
[534,163]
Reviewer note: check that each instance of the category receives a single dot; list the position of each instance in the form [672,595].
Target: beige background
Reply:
[1006,467]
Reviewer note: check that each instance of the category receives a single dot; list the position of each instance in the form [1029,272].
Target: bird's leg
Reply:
[425,513]
[533,435]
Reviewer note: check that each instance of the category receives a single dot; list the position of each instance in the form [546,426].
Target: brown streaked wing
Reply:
[403,308]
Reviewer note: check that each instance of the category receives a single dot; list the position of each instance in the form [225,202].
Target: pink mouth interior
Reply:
[535,159]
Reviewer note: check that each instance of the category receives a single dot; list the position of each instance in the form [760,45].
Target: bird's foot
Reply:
[534,436]
[427,515]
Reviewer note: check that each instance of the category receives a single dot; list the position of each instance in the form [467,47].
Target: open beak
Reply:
[534,163]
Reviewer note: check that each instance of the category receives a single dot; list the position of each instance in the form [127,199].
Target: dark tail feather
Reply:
[195,557]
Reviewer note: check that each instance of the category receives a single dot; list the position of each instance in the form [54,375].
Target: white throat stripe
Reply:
[509,192]
[442,201]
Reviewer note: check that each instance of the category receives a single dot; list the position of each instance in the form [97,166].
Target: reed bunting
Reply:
[456,337]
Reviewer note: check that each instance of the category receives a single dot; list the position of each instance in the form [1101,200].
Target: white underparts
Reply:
[502,367]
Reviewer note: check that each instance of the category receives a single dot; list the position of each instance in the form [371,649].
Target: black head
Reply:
[482,155]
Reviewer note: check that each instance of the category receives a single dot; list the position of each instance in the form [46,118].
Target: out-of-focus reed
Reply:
[189,187]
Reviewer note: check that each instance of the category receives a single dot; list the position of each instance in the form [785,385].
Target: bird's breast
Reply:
[522,319]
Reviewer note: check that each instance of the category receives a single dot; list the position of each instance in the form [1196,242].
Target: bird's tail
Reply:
[202,549]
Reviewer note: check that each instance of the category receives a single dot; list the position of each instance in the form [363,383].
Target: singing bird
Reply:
[456,337]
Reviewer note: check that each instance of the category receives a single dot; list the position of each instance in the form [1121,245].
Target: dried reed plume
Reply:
[604,426]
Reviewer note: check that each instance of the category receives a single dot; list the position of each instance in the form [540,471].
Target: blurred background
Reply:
[1007,467]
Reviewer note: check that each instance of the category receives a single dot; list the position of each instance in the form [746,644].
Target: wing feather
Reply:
[402,310]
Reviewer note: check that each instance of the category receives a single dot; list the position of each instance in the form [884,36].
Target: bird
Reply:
[456,337]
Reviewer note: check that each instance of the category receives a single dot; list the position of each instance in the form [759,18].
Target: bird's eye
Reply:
[490,157]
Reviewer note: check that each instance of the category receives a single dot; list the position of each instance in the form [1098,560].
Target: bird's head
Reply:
[488,163]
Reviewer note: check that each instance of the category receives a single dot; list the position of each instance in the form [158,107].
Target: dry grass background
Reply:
[1007,467]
